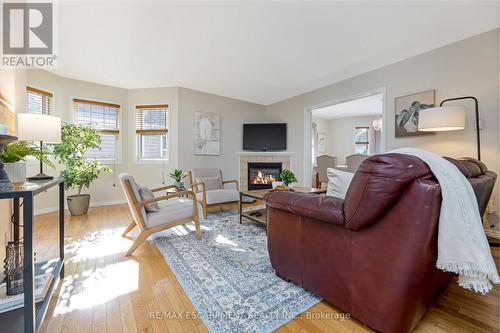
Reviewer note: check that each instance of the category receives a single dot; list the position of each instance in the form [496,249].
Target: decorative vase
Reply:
[180,185]
[78,204]
[16,172]
[14,268]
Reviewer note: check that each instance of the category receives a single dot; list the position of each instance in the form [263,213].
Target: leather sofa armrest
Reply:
[314,206]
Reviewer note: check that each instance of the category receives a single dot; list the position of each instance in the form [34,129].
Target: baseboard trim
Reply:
[92,204]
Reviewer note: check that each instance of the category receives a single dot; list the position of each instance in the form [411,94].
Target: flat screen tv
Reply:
[264,137]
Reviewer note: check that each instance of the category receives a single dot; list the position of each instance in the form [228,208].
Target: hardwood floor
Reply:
[104,291]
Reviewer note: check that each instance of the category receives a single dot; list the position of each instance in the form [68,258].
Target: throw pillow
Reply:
[147,194]
[211,183]
[338,182]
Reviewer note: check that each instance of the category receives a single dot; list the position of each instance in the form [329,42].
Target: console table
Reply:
[32,314]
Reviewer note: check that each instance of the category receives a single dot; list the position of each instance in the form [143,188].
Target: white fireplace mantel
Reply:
[265,153]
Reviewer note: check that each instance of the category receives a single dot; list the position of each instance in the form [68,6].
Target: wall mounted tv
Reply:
[264,137]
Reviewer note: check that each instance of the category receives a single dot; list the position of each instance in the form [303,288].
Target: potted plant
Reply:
[177,175]
[287,177]
[14,156]
[80,171]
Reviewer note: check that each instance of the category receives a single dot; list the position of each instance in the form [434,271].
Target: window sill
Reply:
[151,161]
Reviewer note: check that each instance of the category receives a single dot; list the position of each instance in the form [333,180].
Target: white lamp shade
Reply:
[443,118]
[38,127]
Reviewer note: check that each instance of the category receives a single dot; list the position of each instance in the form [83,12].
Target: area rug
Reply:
[228,277]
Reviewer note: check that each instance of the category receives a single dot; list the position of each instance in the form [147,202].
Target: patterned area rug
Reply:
[228,275]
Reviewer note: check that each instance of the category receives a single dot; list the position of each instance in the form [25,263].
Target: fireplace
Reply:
[262,174]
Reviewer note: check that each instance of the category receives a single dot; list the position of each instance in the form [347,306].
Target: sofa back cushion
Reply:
[377,184]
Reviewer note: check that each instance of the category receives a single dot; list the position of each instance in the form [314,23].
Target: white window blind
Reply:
[38,101]
[152,132]
[101,116]
[361,144]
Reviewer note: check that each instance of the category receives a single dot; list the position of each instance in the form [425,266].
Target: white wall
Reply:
[233,114]
[341,136]
[322,126]
[468,67]
[103,190]
[153,173]
[182,104]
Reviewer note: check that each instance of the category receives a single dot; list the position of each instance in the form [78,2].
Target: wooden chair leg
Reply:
[204,206]
[197,226]
[129,228]
[138,241]
[221,208]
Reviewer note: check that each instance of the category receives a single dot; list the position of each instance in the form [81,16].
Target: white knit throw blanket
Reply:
[462,245]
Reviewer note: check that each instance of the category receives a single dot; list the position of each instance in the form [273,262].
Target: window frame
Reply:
[43,92]
[118,132]
[367,142]
[137,135]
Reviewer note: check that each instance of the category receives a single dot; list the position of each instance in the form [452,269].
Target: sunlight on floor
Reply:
[223,240]
[98,286]
[98,244]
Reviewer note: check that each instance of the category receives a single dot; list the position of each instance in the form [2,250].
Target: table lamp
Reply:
[39,127]
[448,118]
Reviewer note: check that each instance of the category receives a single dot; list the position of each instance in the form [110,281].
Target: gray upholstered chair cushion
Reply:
[170,211]
[220,196]
[211,183]
[147,194]
[126,178]
[199,174]
[324,162]
[354,161]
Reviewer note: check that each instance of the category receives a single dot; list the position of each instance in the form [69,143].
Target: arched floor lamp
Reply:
[448,118]
[452,118]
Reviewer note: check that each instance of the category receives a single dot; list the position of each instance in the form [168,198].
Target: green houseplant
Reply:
[79,171]
[287,177]
[14,156]
[177,175]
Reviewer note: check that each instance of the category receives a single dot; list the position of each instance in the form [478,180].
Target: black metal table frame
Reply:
[33,318]
[246,194]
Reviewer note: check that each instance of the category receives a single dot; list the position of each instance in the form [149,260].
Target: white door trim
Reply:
[307,176]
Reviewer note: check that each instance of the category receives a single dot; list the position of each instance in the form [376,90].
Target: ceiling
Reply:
[261,52]
[364,106]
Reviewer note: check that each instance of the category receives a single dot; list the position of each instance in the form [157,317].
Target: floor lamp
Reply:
[451,118]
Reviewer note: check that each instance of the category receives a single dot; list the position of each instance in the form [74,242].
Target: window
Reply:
[101,116]
[38,101]
[361,140]
[152,132]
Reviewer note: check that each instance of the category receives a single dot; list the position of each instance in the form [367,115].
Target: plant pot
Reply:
[276,184]
[180,185]
[16,172]
[78,204]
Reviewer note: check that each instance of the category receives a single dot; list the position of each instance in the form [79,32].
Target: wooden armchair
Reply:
[210,189]
[173,210]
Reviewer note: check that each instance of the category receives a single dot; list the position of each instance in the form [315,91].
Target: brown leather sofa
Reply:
[374,253]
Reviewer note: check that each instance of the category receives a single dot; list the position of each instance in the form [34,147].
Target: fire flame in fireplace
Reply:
[261,178]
